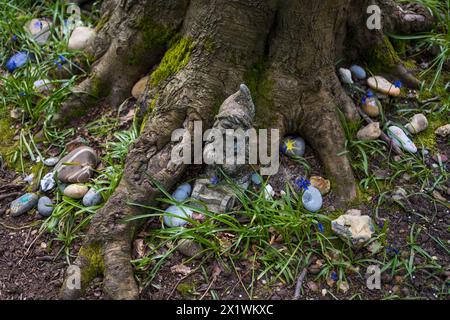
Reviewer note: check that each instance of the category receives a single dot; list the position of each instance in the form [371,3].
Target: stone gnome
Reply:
[226,151]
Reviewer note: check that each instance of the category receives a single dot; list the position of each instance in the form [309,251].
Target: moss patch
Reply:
[95,265]
[260,85]
[383,58]
[7,144]
[174,60]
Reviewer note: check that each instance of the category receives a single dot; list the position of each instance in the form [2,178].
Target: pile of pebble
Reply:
[71,173]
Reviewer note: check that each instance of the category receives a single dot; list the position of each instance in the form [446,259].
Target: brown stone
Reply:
[77,166]
[323,185]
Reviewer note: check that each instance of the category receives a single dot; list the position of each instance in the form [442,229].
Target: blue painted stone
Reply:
[175,220]
[358,72]
[23,204]
[400,139]
[293,146]
[92,198]
[256,179]
[45,206]
[17,61]
[182,192]
[312,199]
[186,187]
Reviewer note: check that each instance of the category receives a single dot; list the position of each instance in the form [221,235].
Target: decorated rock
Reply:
[40,30]
[23,204]
[370,105]
[45,206]
[175,219]
[321,184]
[139,87]
[80,38]
[358,72]
[312,199]
[417,124]
[370,132]
[77,166]
[380,84]
[48,182]
[354,227]
[42,86]
[92,198]
[75,191]
[293,146]
[256,179]
[401,139]
[182,192]
[16,61]
[345,75]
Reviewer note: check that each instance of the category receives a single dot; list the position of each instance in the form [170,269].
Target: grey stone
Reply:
[23,204]
[51,162]
[312,199]
[358,72]
[92,198]
[345,75]
[45,206]
[175,216]
[189,248]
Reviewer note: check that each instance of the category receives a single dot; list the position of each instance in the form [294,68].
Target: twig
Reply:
[8,195]
[298,287]
[20,228]
[383,135]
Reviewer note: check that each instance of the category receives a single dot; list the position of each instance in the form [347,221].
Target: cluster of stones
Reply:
[71,172]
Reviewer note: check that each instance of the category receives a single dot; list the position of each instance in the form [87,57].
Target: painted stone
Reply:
[40,30]
[380,84]
[256,179]
[23,204]
[401,139]
[77,166]
[80,38]
[370,105]
[42,86]
[45,206]
[48,182]
[16,61]
[75,191]
[182,192]
[293,146]
[312,199]
[175,219]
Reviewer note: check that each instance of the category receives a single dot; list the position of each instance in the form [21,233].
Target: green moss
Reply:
[260,85]
[154,35]
[95,266]
[209,45]
[383,58]
[186,289]
[174,60]
[7,144]
[427,138]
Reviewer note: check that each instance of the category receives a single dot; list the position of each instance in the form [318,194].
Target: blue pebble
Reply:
[45,206]
[92,198]
[17,61]
[186,187]
[256,179]
[358,72]
[180,195]
[175,219]
[312,199]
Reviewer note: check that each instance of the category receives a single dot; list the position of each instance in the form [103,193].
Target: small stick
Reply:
[298,287]
[8,195]
[383,135]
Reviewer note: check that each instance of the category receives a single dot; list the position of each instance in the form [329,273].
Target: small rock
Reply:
[45,206]
[370,132]
[16,61]
[357,229]
[345,75]
[440,158]
[399,194]
[29,178]
[323,185]
[42,86]
[189,248]
[312,286]
[182,192]
[268,192]
[443,131]
[312,199]
[354,212]
[16,113]
[51,162]
[48,182]
[382,85]
[80,38]
[358,72]
[417,124]
[140,86]
[256,179]
[92,198]
[438,196]
[293,147]
[344,286]
[324,292]
[401,139]
[77,166]
[75,191]
[23,204]
[177,213]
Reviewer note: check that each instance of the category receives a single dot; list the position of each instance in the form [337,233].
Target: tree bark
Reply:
[293,45]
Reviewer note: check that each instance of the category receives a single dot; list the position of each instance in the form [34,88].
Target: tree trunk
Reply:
[285,51]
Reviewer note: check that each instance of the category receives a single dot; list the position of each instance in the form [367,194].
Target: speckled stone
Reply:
[23,204]
[75,191]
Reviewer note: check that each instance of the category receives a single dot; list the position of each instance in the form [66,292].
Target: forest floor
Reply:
[259,250]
